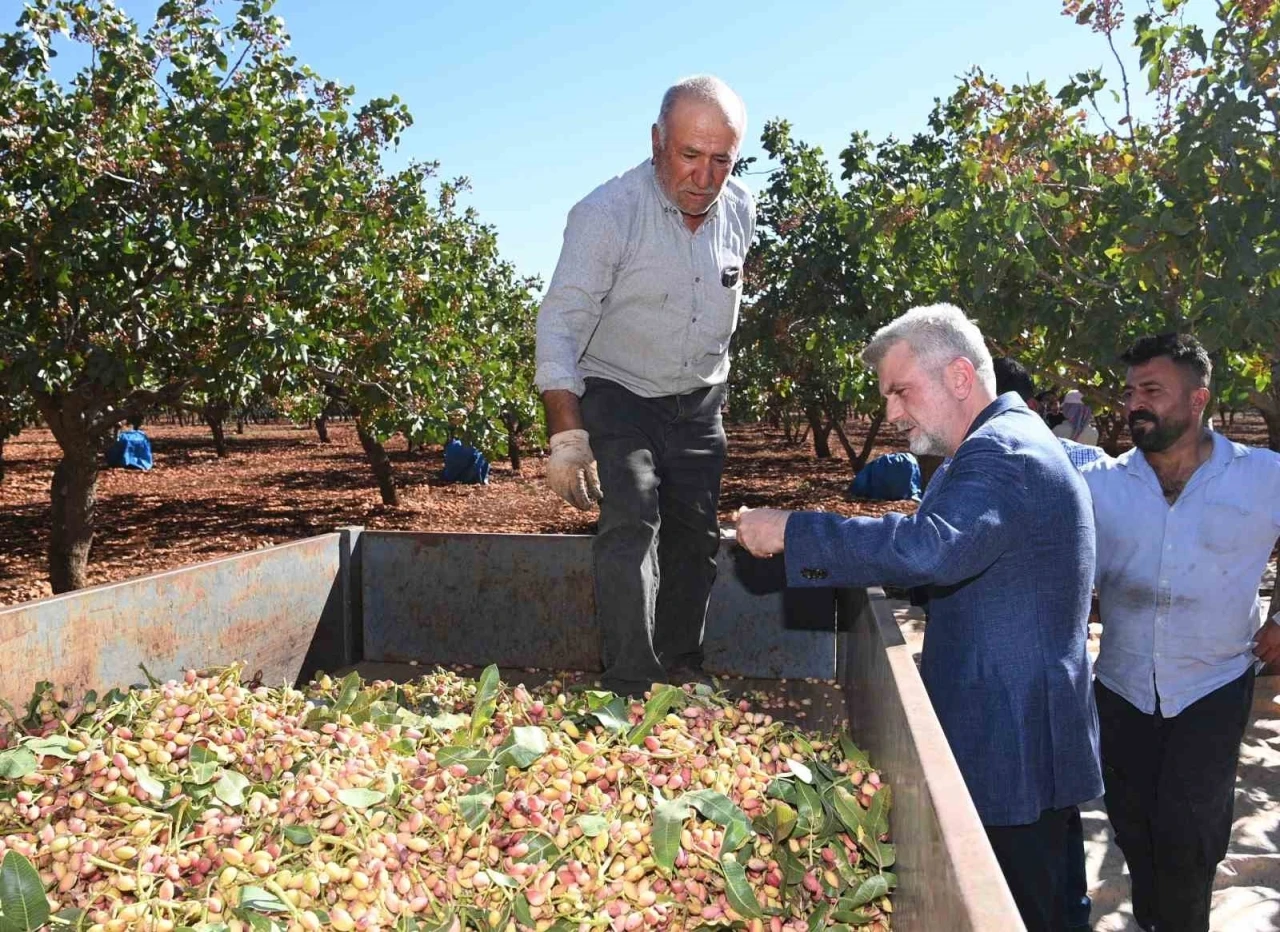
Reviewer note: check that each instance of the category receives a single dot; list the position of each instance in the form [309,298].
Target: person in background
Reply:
[1004,543]
[1077,423]
[632,358]
[1186,522]
[1050,408]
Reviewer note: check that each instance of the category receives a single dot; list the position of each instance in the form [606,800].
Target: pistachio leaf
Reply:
[22,899]
[360,797]
[736,888]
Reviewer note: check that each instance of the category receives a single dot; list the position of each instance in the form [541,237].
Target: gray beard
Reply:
[923,444]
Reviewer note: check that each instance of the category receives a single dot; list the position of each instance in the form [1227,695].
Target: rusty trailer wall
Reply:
[524,600]
[950,879]
[264,608]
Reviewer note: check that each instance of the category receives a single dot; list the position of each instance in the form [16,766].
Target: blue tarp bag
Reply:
[131,450]
[464,464]
[894,477]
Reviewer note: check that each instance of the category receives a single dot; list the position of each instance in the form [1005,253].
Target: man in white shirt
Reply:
[1186,522]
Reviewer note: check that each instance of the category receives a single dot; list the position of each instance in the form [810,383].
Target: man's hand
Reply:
[762,531]
[572,470]
[1266,644]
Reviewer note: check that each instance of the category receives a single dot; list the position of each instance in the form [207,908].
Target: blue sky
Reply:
[537,103]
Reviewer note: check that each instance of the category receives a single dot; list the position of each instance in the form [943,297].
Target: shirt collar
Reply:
[665,202]
[1134,462]
[1003,403]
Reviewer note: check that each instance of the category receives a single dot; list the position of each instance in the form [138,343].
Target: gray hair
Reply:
[707,89]
[937,335]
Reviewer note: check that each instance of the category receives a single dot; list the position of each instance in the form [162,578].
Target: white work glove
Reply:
[572,470]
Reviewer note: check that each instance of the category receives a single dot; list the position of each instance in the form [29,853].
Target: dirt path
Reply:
[279,483]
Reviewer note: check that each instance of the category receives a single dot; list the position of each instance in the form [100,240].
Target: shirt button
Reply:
[698,279]
[695,320]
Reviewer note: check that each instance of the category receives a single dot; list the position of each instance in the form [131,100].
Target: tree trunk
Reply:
[322,428]
[821,432]
[380,463]
[215,415]
[1110,429]
[240,425]
[74,495]
[1,457]
[859,459]
[514,429]
[1269,406]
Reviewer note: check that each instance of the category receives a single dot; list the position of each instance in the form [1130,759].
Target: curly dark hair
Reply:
[1184,349]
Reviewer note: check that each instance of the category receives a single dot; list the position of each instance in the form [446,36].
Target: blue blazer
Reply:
[1005,548]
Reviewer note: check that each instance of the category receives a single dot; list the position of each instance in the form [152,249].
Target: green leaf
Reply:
[882,853]
[779,822]
[16,763]
[447,721]
[486,701]
[783,788]
[203,764]
[301,835]
[818,918]
[520,906]
[848,811]
[853,753]
[73,918]
[541,848]
[613,715]
[52,745]
[260,901]
[669,816]
[592,825]
[500,879]
[737,889]
[22,899]
[475,808]
[347,692]
[809,809]
[872,888]
[475,760]
[655,710]
[525,745]
[439,924]
[153,787]
[721,810]
[360,797]
[878,812]
[230,788]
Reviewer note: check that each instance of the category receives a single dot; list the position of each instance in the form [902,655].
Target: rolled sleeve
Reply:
[571,309]
[960,532]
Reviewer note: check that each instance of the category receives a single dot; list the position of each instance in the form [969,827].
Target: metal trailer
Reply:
[365,598]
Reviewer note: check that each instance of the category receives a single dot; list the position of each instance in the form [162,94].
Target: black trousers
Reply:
[1031,857]
[1170,789]
[654,554]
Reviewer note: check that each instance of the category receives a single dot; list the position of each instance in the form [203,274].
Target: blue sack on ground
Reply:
[894,477]
[131,450]
[464,464]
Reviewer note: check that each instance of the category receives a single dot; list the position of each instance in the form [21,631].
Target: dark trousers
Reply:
[660,461]
[1031,858]
[1077,904]
[1170,788]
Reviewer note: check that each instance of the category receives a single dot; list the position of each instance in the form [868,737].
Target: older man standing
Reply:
[632,358]
[1186,523]
[1004,546]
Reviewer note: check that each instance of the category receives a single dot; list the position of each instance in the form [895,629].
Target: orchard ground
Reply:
[279,483]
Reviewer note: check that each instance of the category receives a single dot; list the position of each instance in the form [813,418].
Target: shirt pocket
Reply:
[725,299]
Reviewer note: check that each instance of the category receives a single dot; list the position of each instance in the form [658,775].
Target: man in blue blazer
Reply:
[1005,548]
